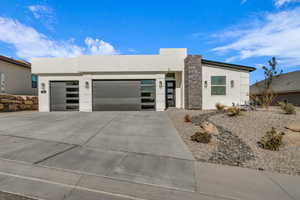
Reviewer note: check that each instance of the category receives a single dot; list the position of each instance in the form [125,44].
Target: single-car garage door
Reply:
[123,95]
[64,95]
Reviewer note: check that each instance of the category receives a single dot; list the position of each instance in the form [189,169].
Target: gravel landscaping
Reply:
[236,143]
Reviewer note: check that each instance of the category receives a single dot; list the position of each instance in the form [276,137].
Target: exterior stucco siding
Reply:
[85,94]
[109,63]
[17,79]
[239,94]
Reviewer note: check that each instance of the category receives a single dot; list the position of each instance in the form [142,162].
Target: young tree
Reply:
[270,72]
[268,96]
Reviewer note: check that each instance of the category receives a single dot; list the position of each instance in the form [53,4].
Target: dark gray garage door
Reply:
[123,95]
[64,95]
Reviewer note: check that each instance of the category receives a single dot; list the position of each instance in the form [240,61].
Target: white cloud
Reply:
[30,43]
[44,14]
[97,46]
[279,3]
[276,35]
[39,11]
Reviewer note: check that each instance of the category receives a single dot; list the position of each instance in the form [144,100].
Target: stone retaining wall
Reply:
[12,103]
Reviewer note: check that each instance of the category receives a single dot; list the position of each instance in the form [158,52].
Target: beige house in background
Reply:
[286,88]
[16,77]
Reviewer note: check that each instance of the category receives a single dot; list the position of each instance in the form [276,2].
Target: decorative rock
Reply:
[231,150]
[28,102]
[209,128]
[295,127]
[12,107]
[11,103]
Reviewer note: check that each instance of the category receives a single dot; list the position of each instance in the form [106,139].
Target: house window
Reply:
[2,82]
[218,85]
[34,81]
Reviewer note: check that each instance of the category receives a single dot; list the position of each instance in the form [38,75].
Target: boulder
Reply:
[295,127]
[209,128]
[28,102]
[13,107]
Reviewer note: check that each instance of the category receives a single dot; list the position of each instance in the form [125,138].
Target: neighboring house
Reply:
[139,82]
[16,77]
[286,88]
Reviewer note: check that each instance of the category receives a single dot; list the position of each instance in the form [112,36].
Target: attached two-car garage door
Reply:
[107,95]
[123,95]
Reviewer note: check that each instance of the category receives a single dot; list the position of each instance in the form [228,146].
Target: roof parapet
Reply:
[173,51]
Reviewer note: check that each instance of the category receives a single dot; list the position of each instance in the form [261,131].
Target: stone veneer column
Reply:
[193,82]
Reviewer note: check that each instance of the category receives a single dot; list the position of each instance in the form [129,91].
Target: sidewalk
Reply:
[214,182]
[247,184]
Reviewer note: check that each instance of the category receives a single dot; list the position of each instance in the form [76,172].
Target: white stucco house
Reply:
[171,78]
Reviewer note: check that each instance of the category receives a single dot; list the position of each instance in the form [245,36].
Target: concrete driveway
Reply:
[140,147]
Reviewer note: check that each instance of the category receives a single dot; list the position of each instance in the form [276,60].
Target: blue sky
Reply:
[247,32]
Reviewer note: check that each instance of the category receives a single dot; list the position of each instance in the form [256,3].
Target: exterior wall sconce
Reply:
[160,84]
[205,84]
[43,86]
[232,83]
[87,84]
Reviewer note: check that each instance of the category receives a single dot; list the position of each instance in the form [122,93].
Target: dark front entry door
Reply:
[170,94]
[116,95]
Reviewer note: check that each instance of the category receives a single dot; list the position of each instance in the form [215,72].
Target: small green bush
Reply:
[220,107]
[271,141]
[281,104]
[201,137]
[234,111]
[288,108]
[187,118]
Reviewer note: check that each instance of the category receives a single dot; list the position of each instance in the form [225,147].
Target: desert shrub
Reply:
[187,118]
[201,137]
[234,111]
[220,107]
[265,99]
[281,104]
[272,140]
[268,98]
[288,108]
[255,99]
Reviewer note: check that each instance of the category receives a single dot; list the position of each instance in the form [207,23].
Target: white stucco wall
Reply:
[109,63]
[85,94]
[237,95]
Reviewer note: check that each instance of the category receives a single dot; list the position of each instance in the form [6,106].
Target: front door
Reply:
[170,94]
